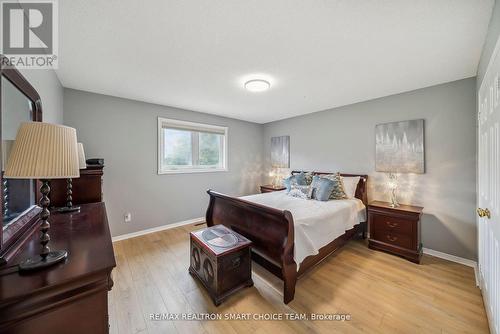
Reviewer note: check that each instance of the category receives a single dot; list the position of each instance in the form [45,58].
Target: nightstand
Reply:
[395,230]
[269,188]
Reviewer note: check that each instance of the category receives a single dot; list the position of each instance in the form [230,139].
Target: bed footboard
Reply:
[270,230]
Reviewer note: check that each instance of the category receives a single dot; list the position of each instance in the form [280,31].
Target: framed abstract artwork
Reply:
[399,147]
[280,152]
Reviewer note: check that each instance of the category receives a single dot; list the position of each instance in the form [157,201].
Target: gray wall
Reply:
[343,139]
[490,42]
[50,89]
[124,133]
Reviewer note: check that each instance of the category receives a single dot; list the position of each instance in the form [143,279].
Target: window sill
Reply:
[191,171]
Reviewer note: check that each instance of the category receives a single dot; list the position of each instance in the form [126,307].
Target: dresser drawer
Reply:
[391,224]
[393,238]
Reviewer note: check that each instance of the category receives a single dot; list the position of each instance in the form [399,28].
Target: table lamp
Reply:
[43,151]
[69,183]
[393,187]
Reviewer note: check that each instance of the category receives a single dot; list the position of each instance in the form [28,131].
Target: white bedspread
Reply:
[316,223]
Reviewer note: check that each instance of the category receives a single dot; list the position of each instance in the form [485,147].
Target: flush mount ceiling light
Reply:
[257,85]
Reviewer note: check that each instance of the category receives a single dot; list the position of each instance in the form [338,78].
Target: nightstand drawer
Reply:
[393,238]
[392,224]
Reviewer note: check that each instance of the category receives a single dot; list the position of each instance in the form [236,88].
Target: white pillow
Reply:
[350,185]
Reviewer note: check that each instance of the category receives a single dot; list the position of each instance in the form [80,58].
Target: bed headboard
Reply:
[361,191]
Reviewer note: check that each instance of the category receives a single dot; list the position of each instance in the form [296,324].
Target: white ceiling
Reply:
[316,54]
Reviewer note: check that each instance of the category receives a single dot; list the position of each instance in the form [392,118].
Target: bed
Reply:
[291,235]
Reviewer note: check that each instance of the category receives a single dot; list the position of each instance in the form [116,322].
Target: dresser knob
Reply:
[391,238]
[391,225]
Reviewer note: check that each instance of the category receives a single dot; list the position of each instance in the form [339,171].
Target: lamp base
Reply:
[38,263]
[394,205]
[66,209]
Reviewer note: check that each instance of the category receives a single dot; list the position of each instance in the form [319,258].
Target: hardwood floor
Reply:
[382,293]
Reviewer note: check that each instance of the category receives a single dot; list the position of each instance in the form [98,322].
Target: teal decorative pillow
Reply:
[288,182]
[296,179]
[338,191]
[322,188]
[315,182]
[301,179]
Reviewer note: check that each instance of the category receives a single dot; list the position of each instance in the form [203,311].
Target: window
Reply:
[186,147]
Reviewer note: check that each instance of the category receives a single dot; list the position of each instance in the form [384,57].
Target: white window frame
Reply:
[190,126]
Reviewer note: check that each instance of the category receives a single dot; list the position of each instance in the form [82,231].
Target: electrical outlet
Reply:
[127,217]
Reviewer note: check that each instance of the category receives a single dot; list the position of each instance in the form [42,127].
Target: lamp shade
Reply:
[82,162]
[43,151]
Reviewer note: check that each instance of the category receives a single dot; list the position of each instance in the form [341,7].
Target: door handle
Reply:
[483,213]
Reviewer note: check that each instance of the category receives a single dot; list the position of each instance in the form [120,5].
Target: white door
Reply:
[488,191]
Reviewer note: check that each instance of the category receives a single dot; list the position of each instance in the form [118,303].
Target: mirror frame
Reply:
[26,223]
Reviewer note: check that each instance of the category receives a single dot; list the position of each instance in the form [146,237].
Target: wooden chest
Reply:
[395,230]
[220,259]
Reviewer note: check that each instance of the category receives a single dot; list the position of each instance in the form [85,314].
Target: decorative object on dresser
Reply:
[270,188]
[95,162]
[395,230]
[43,151]
[220,259]
[393,188]
[66,298]
[272,233]
[69,183]
[86,189]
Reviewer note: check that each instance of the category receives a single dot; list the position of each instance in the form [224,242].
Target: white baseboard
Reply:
[453,258]
[157,229]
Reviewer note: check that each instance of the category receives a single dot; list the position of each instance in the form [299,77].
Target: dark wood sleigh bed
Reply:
[272,233]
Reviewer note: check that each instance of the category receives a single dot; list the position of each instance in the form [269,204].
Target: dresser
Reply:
[86,189]
[395,230]
[70,297]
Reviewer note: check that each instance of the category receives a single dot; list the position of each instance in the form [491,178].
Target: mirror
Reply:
[18,195]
